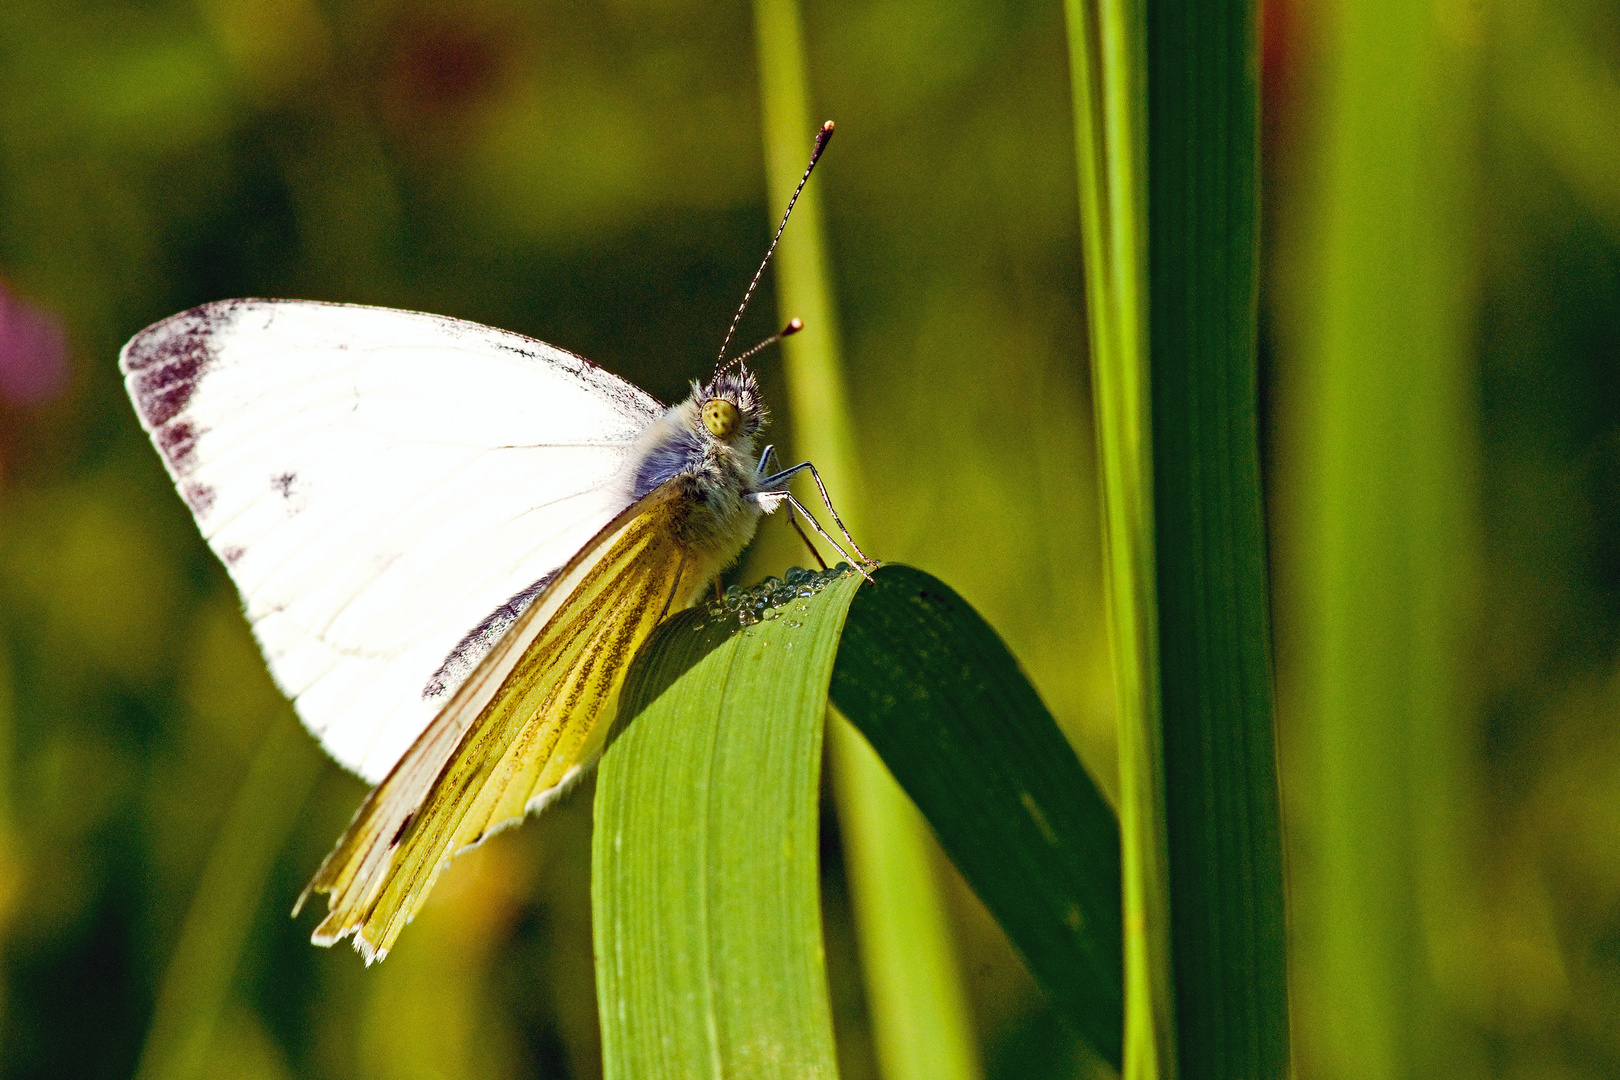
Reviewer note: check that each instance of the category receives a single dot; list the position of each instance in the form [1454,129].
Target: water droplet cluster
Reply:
[766,601]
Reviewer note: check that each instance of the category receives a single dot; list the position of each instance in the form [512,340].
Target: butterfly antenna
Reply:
[793,327]
[822,138]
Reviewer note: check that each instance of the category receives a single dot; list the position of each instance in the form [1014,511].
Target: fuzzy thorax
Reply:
[709,452]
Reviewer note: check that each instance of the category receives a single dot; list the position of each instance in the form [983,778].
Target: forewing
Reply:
[521,728]
[388,490]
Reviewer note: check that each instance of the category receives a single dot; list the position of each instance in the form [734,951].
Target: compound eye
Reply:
[721,418]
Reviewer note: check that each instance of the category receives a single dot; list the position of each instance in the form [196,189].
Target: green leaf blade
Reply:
[704,861]
[1221,793]
[940,699]
[705,868]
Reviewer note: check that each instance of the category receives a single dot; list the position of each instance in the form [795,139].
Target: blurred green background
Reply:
[592,175]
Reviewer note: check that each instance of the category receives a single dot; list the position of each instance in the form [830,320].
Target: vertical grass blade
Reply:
[817,395]
[197,984]
[1388,539]
[1227,922]
[920,1020]
[704,873]
[1107,72]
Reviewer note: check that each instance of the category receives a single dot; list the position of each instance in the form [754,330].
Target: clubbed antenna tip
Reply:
[793,327]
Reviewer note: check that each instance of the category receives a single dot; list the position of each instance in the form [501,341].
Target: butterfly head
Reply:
[730,408]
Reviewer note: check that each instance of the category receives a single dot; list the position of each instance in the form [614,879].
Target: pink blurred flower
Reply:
[33,351]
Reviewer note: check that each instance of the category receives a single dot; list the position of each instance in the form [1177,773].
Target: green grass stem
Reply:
[913,989]
[1386,473]
[1107,73]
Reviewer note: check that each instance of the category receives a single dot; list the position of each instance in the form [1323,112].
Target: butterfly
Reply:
[450,540]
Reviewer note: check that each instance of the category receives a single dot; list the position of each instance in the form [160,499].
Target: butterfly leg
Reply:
[793,519]
[814,554]
[780,479]
[770,500]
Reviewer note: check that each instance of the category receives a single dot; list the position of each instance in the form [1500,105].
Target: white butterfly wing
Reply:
[387,489]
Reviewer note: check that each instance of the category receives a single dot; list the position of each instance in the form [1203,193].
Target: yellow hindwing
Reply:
[528,720]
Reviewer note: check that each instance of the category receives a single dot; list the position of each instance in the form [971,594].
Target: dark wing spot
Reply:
[233,554]
[283,484]
[480,639]
[177,442]
[200,497]
[167,360]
